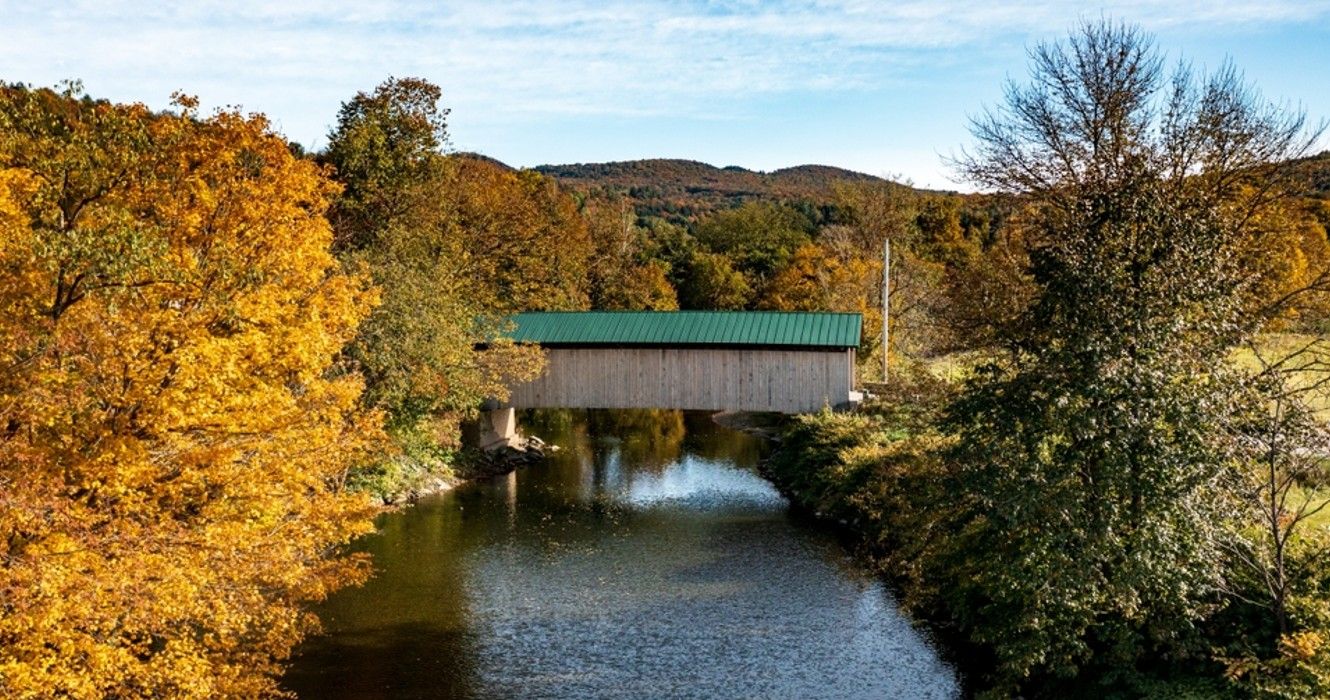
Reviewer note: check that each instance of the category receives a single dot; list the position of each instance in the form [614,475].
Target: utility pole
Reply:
[886,304]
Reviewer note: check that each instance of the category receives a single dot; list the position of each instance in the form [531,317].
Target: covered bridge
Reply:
[780,361]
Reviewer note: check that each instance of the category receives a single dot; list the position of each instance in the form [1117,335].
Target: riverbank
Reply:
[416,471]
[880,477]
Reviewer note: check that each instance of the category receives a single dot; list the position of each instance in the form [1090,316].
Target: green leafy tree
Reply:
[673,247]
[758,238]
[455,244]
[418,350]
[715,284]
[1092,465]
[384,149]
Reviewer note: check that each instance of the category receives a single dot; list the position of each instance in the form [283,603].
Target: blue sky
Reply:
[880,87]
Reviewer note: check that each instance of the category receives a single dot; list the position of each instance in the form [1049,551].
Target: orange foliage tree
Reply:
[525,246]
[818,279]
[173,429]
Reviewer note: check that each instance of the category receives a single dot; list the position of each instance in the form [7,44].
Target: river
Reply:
[645,559]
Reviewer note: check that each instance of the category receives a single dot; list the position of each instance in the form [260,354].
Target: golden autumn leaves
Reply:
[174,433]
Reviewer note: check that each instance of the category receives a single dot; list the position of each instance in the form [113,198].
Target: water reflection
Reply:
[646,559]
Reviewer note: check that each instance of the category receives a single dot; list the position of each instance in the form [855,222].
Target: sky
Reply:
[880,87]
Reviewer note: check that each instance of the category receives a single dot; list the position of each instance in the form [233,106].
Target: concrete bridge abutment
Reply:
[498,428]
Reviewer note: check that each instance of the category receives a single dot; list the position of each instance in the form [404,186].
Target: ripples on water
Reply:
[646,560]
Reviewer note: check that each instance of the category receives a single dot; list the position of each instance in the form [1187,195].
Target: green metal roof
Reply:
[764,328]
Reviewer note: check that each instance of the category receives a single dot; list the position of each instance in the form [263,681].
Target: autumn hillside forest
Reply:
[1098,468]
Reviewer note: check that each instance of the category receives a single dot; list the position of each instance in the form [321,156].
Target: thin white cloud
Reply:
[525,60]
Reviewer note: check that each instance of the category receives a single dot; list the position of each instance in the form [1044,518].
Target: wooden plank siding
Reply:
[708,379]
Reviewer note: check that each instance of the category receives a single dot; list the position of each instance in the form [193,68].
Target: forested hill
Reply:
[1316,169]
[696,177]
[706,187]
[686,189]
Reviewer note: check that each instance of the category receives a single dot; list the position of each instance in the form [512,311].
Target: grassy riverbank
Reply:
[879,475]
[417,467]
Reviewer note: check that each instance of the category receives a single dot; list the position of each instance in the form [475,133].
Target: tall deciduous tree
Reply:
[526,246]
[385,148]
[713,283]
[621,276]
[174,434]
[1092,464]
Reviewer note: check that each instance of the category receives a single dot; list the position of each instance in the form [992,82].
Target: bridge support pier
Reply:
[498,428]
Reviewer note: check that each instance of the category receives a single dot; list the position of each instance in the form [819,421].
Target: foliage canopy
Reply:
[174,433]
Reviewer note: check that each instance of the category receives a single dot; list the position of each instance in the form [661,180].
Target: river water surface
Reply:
[645,559]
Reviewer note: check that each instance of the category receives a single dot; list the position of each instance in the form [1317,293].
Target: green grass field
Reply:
[1312,366]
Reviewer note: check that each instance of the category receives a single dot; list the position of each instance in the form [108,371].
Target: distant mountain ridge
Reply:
[694,176]
[683,190]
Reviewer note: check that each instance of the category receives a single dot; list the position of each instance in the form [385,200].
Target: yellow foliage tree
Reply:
[817,279]
[1289,256]
[173,433]
[620,276]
